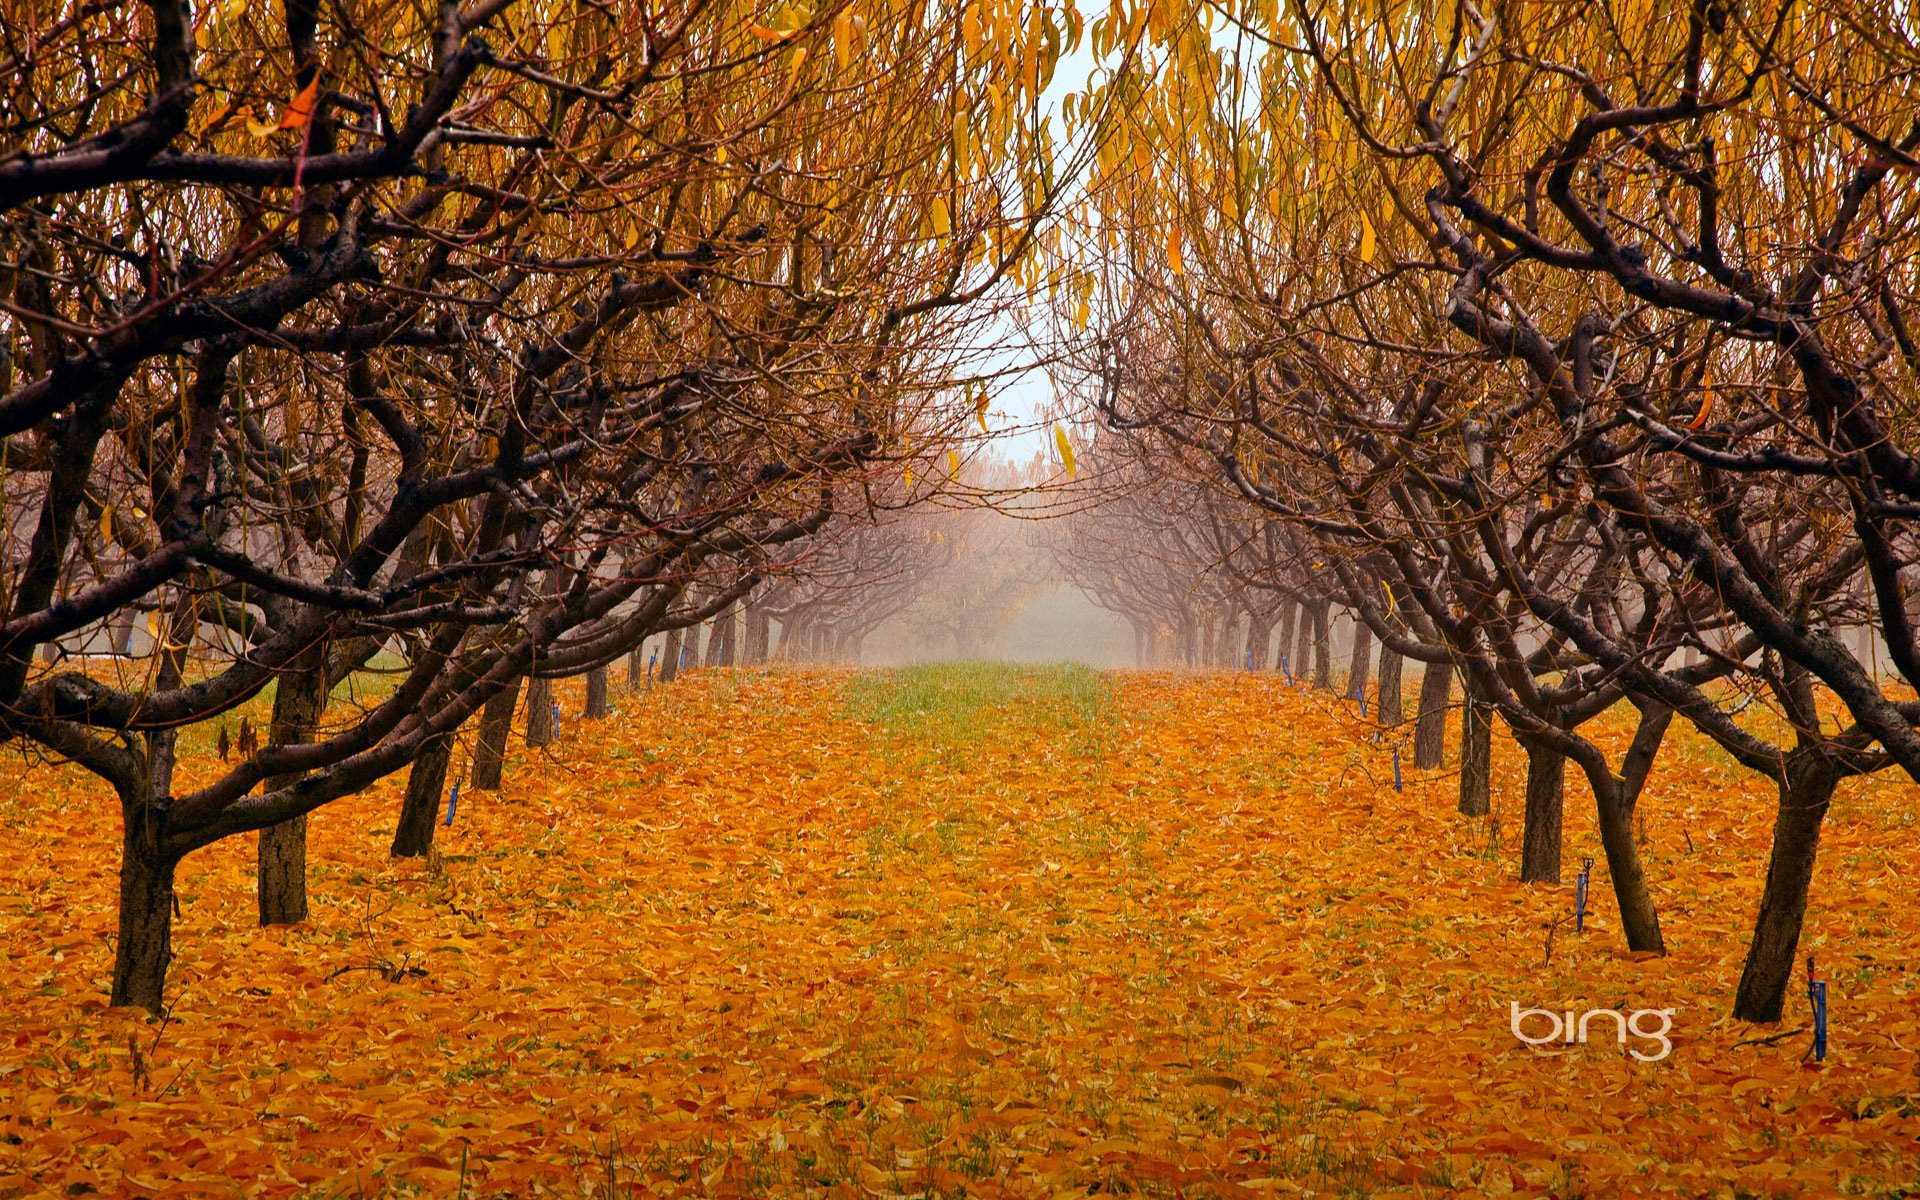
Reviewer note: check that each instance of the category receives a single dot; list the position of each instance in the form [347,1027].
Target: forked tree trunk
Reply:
[1360,666]
[420,810]
[144,946]
[1476,757]
[1546,799]
[1392,703]
[1615,798]
[490,749]
[1430,726]
[596,694]
[1322,646]
[670,656]
[299,697]
[540,722]
[1804,796]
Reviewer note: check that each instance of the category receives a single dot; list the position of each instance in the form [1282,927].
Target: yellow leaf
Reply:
[1173,251]
[938,218]
[106,523]
[1366,239]
[1066,449]
[153,624]
[980,411]
[765,34]
[953,462]
[843,40]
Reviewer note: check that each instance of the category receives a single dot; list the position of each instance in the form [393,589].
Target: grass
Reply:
[950,707]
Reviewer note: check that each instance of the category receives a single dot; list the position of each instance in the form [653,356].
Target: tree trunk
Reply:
[1476,757]
[420,811]
[1303,645]
[144,947]
[1360,666]
[1430,727]
[1638,918]
[1284,645]
[1546,796]
[670,656]
[1615,798]
[490,751]
[717,642]
[1392,702]
[1259,636]
[1804,796]
[637,667]
[540,722]
[1322,647]
[759,632]
[596,694]
[299,697]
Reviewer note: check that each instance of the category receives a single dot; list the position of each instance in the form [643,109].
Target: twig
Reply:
[1772,1039]
[1558,922]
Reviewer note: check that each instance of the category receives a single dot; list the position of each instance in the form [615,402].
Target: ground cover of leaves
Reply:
[955,931]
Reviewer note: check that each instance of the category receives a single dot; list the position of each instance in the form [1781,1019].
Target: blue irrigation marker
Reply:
[1286,664]
[453,801]
[1249,658]
[1580,897]
[1396,770]
[556,718]
[1361,696]
[1819,1020]
[650,662]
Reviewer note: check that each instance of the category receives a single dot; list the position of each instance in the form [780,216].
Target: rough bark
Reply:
[540,722]
[420,810]
[670,656]
[637,667]
[753,650]
[1360,666]
[1284,644]
[144,946]
[1430,726]
[1546,799]
[300,695]
[596,694]
[1805,793]
[1615,799]
[1392,702]
[1476,757]
[490,750]
[1322,647]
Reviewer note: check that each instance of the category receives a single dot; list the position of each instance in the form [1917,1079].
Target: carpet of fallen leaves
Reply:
[782,933]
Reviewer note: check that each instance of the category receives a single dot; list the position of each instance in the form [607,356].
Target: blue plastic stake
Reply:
[650,662]
[1361,696]
[1249,658]
[1286,664]
[1819,1020]
[1396,770]
[453,801]
[1580,897]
